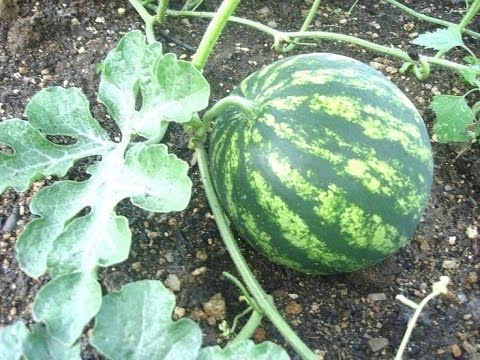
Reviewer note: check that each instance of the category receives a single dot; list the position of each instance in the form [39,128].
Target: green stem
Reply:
[213,32]
[249,328]
[162,10]
[306,24]
[429,18]
[474,8]
[251,302]
[249,279]
[205,14]
[148,19]
[247,106]
[285,36]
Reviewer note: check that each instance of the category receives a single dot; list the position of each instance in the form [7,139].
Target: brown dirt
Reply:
[59,43]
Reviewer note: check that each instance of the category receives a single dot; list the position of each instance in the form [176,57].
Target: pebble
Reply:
[121,11]
[215,307]
[260,334]
[11,222]
[179,312]
[293,308]
[449,264]
[472,232]
[452,240]
[173,282]
[472,277]
[199,271]
[201,255]
[342,21]
[409,26]
[456,351]
[376,297]
[136,266]
[377,344]
[293,296]
[272,24]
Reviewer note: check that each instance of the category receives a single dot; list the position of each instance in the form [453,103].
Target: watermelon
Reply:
[333,171]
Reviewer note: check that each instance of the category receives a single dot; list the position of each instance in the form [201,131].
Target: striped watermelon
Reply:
[334,171]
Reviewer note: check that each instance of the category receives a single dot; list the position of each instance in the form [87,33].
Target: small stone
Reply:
[81,50]
[179,312]
[11,222]
[273,24]
[409,26]
[376,297]
[260,334]
[377,344]
[197,315]
[293,296]
[100,20]
[456,351]
[391,69]
[449,264]
[215,307]
[448,188]
[472,232]
[467,317]
[199,271]
[121,11]
[376,65]
[173,282]
[264,11]
[168,256]
[472,277]
[136,266]
[293,308]
[342,21]
[201,255]
[13,311]
[452,240]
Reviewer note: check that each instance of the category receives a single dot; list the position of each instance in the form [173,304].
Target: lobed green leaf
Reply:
[12,338]
[244,350]
[52,111]
[441,39]
[454,116]
[16,341]
[136,323]
[168,89]
[66,304]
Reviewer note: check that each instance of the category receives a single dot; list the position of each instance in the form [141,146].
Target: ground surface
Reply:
[343,317]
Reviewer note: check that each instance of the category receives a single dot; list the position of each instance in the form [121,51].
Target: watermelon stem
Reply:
[261,297]
[308,20]
[287,36]
[147,18]
[249,328]
[249,107]
[211,35]
[251,302]
[438,288]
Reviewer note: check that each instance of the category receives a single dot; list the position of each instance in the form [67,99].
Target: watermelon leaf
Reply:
[12,338]
[16,340]
[66,304]
[41,345]
[120,330]
[244,350]
[470,75]
[441,39]
[454,117]
[76,229]
[170,89]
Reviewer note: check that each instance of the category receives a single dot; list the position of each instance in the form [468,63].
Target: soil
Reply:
[351,316]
